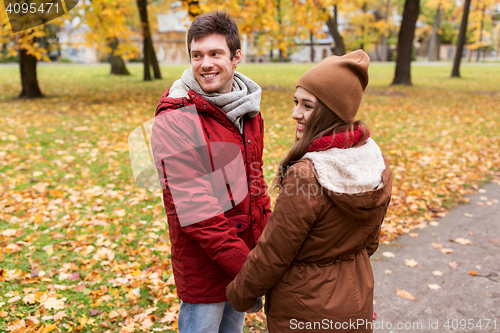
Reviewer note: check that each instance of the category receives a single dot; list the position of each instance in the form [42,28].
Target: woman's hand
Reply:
[258,305]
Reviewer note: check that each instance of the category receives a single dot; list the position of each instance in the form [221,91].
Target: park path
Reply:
[457,294]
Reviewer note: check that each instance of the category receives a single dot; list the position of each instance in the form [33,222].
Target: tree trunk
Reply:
[384,37]
[312,48]
[147,47]
[280,24]
[117,64]
[332,25]
[29,81]
[432,44]
[405,42]
[362,46]
[153,59]
[479,49]
[461,40]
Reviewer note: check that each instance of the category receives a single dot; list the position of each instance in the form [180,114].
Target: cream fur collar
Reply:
[351,170]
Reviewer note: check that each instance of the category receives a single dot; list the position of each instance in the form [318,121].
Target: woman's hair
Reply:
[322,121]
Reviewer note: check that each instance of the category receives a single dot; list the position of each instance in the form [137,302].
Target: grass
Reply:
[74,225]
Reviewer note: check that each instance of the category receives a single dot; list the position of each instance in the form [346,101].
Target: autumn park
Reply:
[85,248]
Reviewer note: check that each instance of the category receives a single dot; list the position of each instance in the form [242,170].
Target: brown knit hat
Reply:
[339,83]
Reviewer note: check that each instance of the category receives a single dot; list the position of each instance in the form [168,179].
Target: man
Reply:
[207,143]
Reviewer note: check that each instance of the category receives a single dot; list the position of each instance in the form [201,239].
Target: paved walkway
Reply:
[459,297]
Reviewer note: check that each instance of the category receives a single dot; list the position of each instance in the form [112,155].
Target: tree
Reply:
[333,28]
[405,42]
[109,29]
[480,25]
[27,44]
[384,36]
[461,40]
[148,48]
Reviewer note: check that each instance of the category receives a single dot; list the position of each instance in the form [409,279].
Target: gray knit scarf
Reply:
[244,97]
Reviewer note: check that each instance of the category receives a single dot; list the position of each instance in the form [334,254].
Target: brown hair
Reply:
[216,22]
[322,121]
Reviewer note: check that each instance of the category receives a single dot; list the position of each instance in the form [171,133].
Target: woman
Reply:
[312,260]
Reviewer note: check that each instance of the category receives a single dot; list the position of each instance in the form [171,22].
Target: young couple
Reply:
[310,256]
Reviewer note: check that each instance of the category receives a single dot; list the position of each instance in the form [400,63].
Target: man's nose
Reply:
[207,63]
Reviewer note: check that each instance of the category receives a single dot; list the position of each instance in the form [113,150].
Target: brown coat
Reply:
[312,260]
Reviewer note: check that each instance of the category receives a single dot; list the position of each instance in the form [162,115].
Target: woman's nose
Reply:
[296,114]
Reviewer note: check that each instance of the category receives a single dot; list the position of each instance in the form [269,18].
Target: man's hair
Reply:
[216,22]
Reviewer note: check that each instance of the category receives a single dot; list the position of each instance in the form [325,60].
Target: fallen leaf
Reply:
[437,273]
[113,314]
[388,271]
[437,245]
[388,254]
[462,241]
[17,326]
[479,203]
[414,234]
[60,315]
[483,198]
[9,232]
[411,262]
[434,223]
[405,294]
[434,286]
[32,321]
[53,303]
[495,241]
[93,312]
[473,273]
[146,323]
[3,314]
[168,317]
[468,215]
[453,264]
[14,299]
[46,328]
[447,251]
[30,298]
[123,312]
[482,190]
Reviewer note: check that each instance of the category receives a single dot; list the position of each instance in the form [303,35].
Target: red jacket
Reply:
[214,192]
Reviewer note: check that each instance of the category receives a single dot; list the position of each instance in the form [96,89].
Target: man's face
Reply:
[212,64]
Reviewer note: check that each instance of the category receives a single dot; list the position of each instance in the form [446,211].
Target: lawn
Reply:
[84,249]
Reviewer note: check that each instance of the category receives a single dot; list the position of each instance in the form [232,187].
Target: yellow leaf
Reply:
[405,294]
[46,328]
[411,262]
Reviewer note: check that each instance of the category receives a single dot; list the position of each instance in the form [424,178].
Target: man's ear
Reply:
[237,58]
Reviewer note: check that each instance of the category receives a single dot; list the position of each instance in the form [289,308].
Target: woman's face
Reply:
[305,102]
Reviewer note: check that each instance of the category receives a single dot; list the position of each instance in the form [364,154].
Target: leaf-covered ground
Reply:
[82,248]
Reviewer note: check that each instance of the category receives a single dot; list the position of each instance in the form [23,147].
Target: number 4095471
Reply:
[470,324]
[32,8]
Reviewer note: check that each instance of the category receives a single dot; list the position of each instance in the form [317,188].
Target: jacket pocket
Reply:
[208,268]
[239,222]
